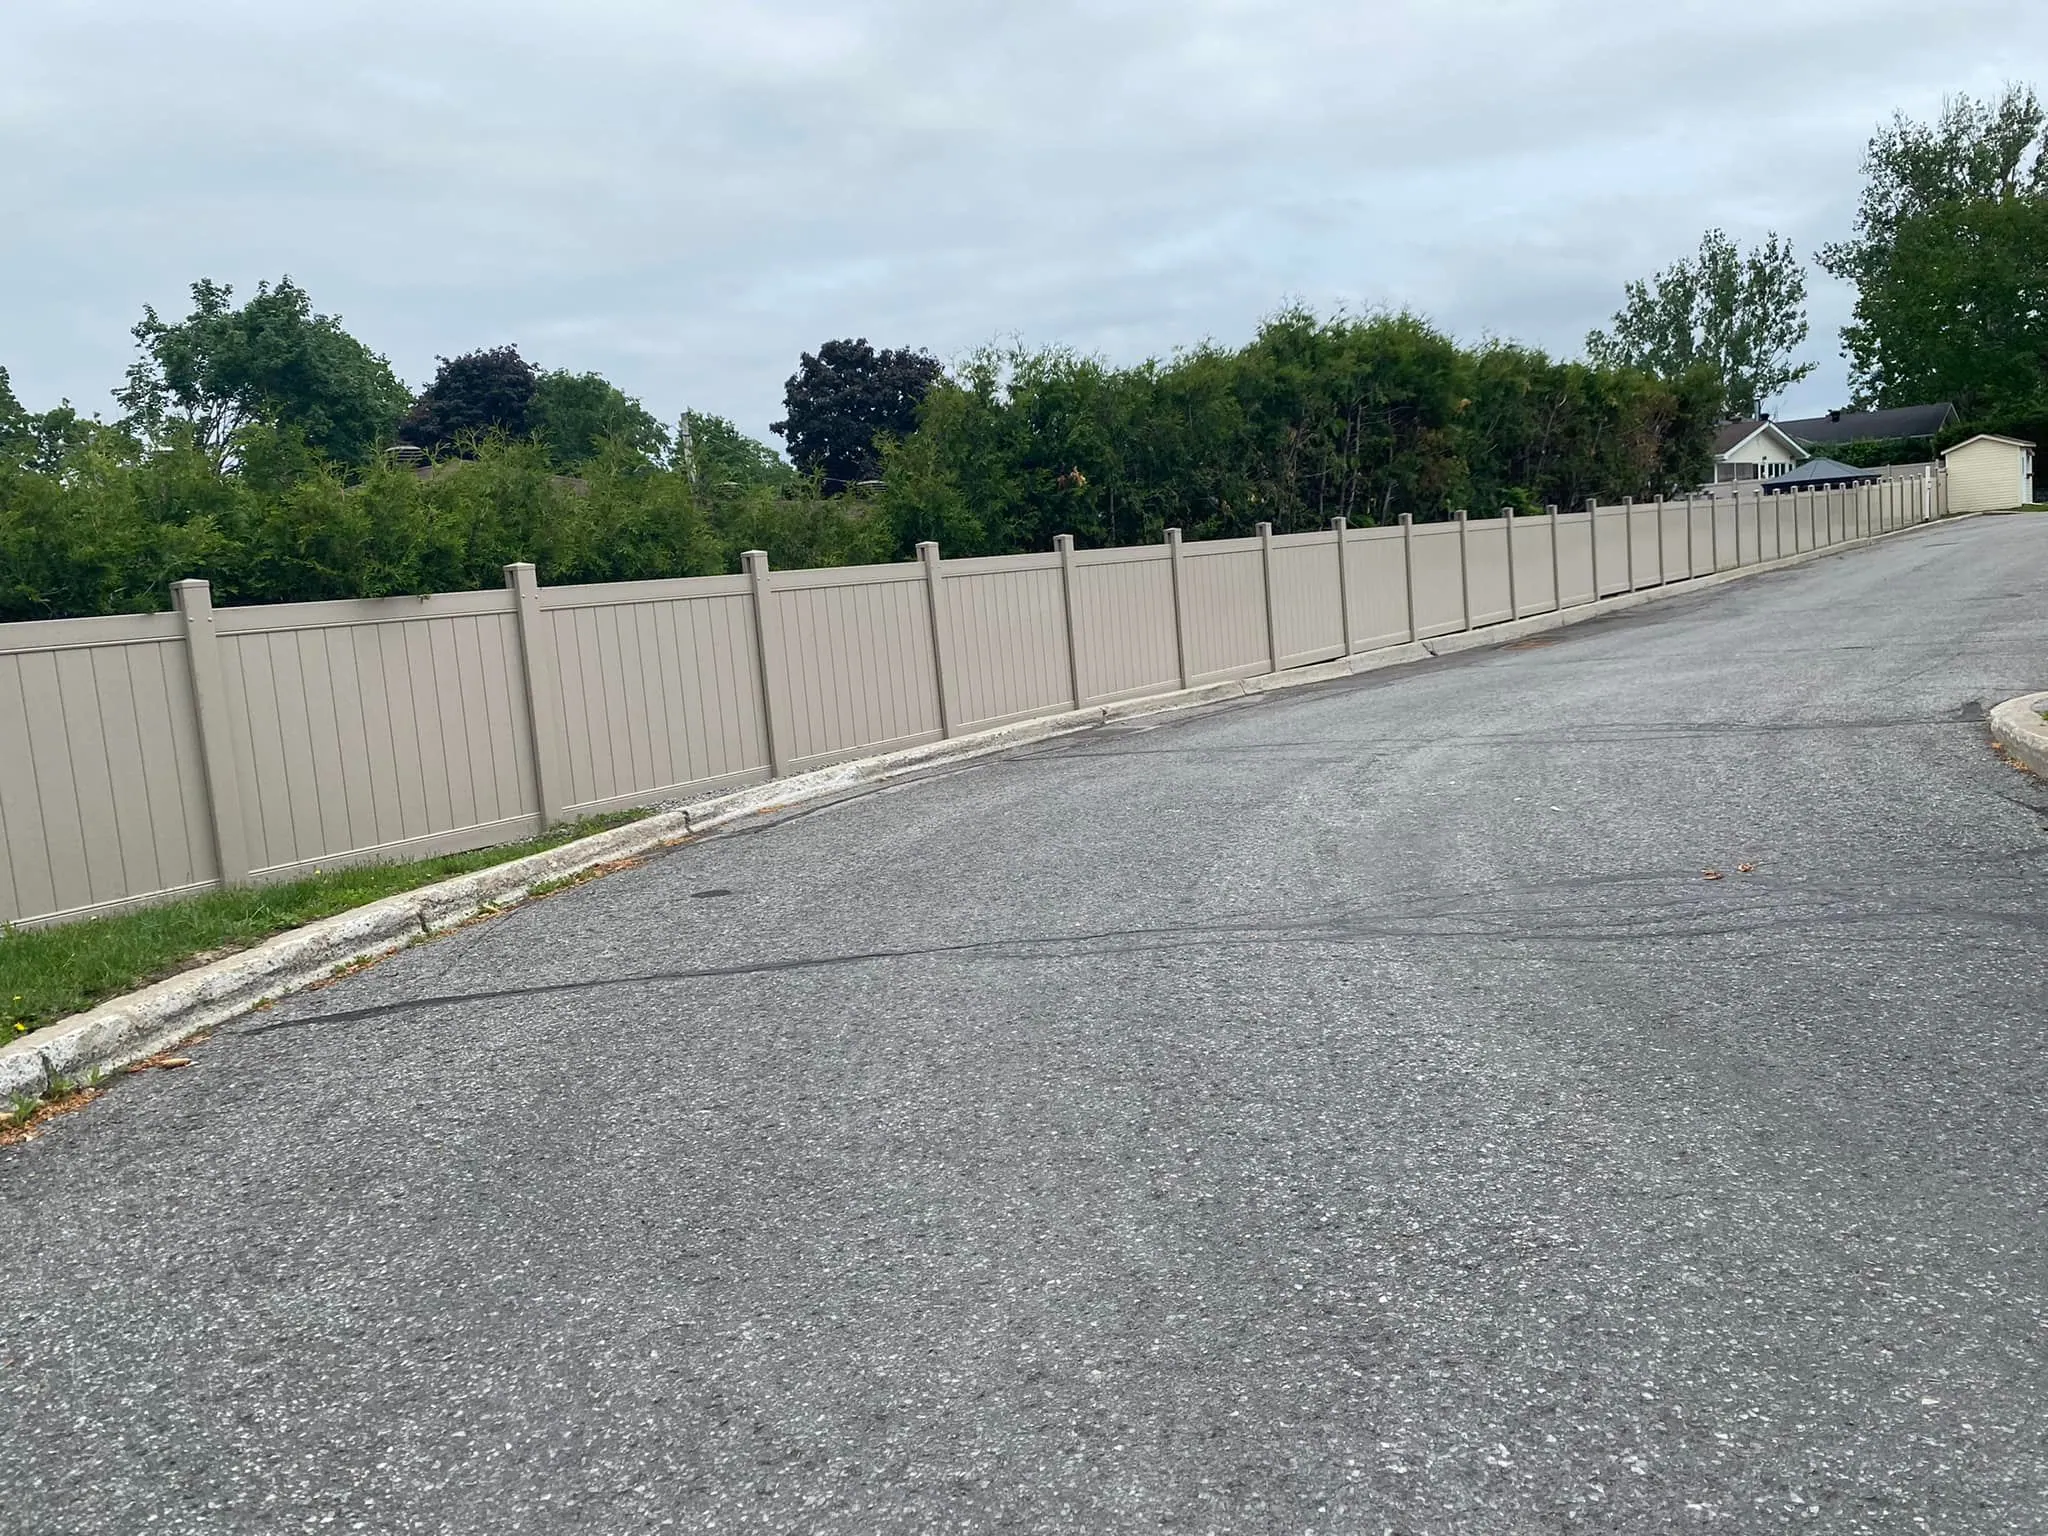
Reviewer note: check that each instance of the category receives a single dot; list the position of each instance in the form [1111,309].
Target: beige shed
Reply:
[1989,473]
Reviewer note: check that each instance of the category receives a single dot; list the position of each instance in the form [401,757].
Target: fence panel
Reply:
[1534,589]
[102,791]
[1378,586]
[1439,580]
[1722,537]
[855,665]
[1670,516]
[387,728]
[1575,557]
[1223,585]
[1486,579]
[1006,638]
[1123,623]
[659,689]
[1641,540]
[1611,538]
[1308,613]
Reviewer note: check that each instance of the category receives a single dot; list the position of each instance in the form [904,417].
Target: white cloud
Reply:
[684,196]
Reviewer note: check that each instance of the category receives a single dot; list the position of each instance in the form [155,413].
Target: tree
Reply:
[843,400]
[575,414]
[1948,259]
[15,432]
[714,455]
[1742,315]
[473,395]
[272,361]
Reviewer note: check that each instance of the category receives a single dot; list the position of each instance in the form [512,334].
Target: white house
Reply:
[1989,473]
[1757,449]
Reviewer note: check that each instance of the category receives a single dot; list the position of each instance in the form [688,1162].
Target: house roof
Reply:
[1731,435]
[1861,426]
[1988,437]
[1824,471]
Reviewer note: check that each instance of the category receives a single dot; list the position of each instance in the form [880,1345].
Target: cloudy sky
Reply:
[685,194]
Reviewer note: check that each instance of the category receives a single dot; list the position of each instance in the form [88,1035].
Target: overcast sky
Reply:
[684,196]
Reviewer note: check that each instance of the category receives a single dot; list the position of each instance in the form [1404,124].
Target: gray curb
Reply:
[132,1028]
[2021,727]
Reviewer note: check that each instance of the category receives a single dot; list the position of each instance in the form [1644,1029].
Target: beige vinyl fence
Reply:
[152,755]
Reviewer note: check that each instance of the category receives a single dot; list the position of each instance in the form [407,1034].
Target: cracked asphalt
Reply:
[1350,1110]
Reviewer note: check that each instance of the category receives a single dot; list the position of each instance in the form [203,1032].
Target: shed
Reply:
[1989,473]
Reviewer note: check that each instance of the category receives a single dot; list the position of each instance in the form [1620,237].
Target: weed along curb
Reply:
[2021,727]
[142,1024]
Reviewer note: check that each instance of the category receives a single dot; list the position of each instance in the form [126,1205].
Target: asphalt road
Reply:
[1350,1110]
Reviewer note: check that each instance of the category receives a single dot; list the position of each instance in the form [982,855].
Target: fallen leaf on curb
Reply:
[1710,874]
[1745,869]
[172,1063]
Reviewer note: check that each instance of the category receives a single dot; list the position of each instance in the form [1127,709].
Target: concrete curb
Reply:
[132,1028]
[2021,727]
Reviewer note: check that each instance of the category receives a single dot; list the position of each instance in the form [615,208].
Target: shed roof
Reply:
[1824,472]
[1862,426]
[1988,437]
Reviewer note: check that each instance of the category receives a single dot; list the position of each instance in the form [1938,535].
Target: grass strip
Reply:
[47,974]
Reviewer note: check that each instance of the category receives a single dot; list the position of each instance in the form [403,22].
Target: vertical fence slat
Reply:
[216,750]
[776,723]
[1064,543]
[543,692]
[1180,605]
[935,600]
[1342,527]
[1408,571]
[1465,566]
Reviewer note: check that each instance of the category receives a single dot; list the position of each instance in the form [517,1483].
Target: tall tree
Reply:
[15,432]
[272,360]
[1743,315]
[846,397]
[1950,259]
[575,414]
[473,395]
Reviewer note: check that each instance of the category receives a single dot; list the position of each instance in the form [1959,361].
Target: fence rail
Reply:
[148,756]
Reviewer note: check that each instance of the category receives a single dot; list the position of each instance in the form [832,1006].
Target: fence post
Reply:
[1342,527]
[1556,565]
[768,647]
[1508,532]
[543,691]
[1272,607]
[1628,538]
[1593,540]
[1714,531]
[216,741]
[1465,564]
[1064,543]
[1180,608]
[1408,571]
[1692,564]
[934,580]
[1659,515]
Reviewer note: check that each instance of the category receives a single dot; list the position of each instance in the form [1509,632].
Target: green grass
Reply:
[49,973]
